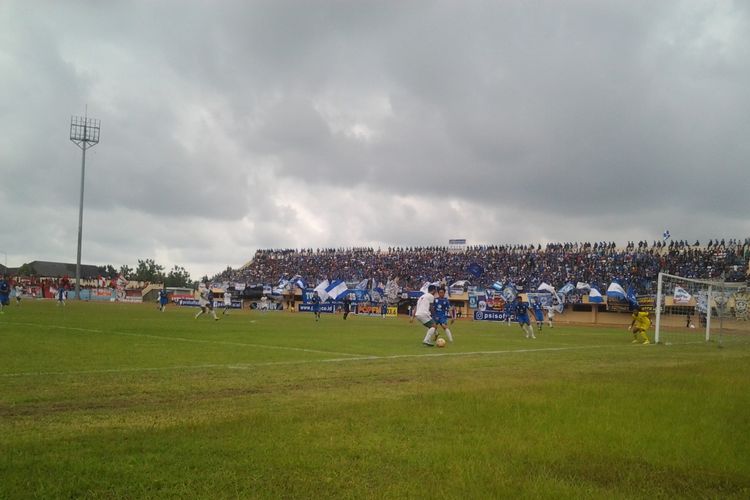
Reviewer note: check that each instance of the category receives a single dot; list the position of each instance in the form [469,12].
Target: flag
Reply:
[336,288]
[121,282]
[681,296]
[566,289]
[300,282]
[666,235]
[616,291]
[509,293]
[583,286]
[391,291]
[475,269]
[321,289]
[363,285]
[546,287]
[595,296]
[498,285]
[283,283]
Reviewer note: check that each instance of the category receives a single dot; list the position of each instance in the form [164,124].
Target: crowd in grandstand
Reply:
[527,266]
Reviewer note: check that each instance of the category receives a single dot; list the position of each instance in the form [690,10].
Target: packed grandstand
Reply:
[527,266]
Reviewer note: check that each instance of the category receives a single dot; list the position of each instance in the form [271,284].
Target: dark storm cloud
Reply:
[234,124]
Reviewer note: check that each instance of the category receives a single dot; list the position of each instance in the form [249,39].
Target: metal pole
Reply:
[80,221]
[708,313]
[659,289]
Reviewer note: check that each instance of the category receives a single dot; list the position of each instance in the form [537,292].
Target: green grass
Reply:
[121,401]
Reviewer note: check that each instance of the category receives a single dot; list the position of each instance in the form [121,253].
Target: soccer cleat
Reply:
[646,342]
[428,344]
[635,341]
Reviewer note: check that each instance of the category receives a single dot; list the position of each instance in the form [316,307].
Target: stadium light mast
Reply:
[84,132]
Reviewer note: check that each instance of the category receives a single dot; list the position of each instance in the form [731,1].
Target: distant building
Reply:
[44,269]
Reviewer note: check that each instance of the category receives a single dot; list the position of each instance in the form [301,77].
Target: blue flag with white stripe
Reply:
[336,288]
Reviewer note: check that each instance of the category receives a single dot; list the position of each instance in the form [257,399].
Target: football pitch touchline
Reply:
[247,366]
[183,339]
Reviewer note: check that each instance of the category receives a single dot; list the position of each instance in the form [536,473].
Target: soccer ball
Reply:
[440,342]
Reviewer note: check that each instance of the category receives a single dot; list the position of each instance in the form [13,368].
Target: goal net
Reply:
[693,311]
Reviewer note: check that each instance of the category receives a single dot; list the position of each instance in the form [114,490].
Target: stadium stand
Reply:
[527,266]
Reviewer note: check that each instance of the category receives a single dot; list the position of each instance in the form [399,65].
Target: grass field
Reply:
[121,401]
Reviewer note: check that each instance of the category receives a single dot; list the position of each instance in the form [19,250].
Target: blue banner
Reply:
[492,316]
[324,308]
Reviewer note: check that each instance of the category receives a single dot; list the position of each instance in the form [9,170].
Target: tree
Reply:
[148,270]
[126,271]
[178,276]
[107,271]
[26,270]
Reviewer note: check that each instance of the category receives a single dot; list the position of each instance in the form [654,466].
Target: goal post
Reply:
[690,310]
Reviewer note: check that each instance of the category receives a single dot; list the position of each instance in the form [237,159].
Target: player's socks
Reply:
[428,339]
[449,334]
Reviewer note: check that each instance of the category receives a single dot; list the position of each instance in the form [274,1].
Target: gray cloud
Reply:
[233,126]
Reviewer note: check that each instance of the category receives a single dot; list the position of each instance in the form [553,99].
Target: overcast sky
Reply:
[232,126]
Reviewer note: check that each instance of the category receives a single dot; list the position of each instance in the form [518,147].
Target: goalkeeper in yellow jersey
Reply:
[639,325]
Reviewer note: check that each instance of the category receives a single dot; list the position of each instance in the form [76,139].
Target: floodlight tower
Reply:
[84,132]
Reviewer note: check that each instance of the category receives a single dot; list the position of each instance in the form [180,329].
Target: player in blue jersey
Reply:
[62,294]
[442,313]
[4,293]
[536,306]
[316,305]
[347,305]
[522,316]
[163,299]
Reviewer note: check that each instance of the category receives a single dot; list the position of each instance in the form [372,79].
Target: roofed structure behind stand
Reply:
[60,269]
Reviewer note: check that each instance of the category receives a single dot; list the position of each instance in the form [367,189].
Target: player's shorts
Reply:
[425,320]
[440,320]
[523,319]
[539,315]
[163,301]
[4,300]
[316,309]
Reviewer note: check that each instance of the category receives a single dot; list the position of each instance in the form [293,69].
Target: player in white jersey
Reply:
[550,315]
[424,312]
[206,303]
[227,302]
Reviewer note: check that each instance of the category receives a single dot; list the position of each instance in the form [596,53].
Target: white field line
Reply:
[183,339]
[248,366]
